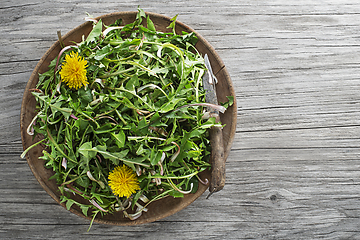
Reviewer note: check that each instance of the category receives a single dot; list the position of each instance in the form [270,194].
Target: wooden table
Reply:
[294,168]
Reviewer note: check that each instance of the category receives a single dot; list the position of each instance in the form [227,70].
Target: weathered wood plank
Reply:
[293,172]
[260,197]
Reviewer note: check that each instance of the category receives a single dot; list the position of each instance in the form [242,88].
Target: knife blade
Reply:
[217,161]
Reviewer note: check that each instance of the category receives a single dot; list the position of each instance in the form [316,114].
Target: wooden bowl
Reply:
[158,209]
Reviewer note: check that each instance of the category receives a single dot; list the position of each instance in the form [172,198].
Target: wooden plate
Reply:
[161,208]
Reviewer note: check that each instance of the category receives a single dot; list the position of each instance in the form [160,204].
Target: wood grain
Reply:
[294,168]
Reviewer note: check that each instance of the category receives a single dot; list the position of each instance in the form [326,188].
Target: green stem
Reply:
[101,170]
[88,117]
[173,177]
[30,147]
[121,118]
[134,94]
[57,146]
[118,72]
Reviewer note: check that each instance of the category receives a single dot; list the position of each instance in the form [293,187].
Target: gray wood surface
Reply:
[294,168]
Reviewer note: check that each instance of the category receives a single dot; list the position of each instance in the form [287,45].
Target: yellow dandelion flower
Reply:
[123,181]
[73,71]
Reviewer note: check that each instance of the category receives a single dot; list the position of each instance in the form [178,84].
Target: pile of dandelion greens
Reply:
[121,115]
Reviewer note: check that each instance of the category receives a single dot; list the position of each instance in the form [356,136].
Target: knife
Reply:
[217,159]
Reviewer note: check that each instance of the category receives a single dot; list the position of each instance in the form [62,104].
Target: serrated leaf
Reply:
[142,123]
[100,148]
[155,156]
[84,209]
[54,107]
[140,150]
[231,100]
[103,52]
[83,181]
[197,133]
[85,96]
[140,14]
[150,24]
[87,151]
[176,194]
[95,32]
[170,105]
[116,157]
[172,24]
[119,138]
[69,203]
[211,122]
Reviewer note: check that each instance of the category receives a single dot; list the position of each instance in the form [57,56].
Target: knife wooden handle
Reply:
[217,159]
